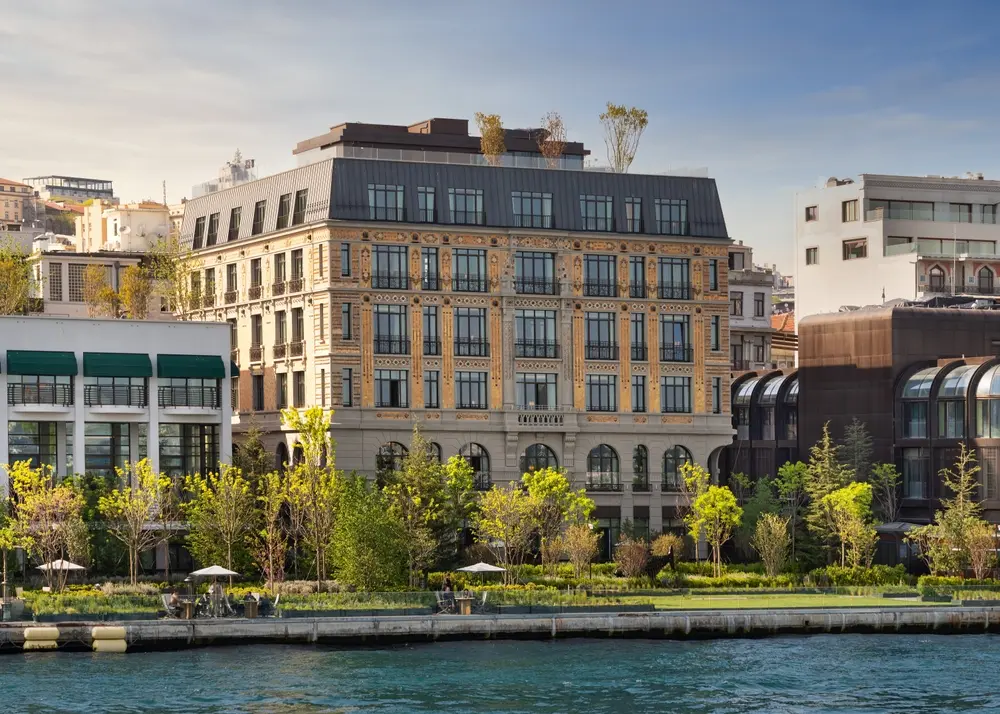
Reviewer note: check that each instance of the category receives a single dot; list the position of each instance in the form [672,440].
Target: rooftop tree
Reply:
[623,127]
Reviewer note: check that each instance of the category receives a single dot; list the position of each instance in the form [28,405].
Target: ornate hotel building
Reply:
[524,314]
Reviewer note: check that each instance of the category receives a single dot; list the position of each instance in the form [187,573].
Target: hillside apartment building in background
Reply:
[884,238]
[524,316]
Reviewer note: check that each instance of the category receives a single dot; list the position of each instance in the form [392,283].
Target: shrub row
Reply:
[874,576]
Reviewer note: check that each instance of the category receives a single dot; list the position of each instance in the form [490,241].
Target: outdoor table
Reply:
[464,605]
[187,609]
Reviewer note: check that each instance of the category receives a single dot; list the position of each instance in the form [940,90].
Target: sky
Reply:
[771,96]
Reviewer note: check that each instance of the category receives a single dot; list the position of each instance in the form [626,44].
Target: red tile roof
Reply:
[784,322]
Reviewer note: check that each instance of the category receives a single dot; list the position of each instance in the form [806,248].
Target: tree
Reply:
[552,138]
[271,542]
[771,541]
[8,541]
[220,513]
[369,546]
[138,512]
[492,134]
[631,555]
[579,543]
[622,129]
[17,279]
[460,503]
[252,458]
[848,510]
[667,545]
[48,521]
[826,474]
[101,298]
[791,483]
[555,505]
[856,451]
[885,481]
[981,540]
[505,524]
[715,515]
[170,265]
[135,291]
[762,502]
[694,481]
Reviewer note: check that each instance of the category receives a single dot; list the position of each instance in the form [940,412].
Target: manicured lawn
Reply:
[729,602]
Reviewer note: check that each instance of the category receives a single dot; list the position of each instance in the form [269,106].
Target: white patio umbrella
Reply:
[60,565]
[482,568]
[216,571]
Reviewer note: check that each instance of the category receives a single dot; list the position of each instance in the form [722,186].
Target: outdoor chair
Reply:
[172,611]
[481,606]
[445,603]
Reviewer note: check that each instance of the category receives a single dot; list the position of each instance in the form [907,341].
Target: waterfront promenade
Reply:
[151,635]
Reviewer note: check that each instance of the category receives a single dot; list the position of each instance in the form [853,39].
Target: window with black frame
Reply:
[603,469]
[469,266]
[432,389]
[432,330]
[189,392]
[673,459]
[259,209]
[430,274]
[639,393]
[675,338]
[596,213]
[390,269]
[479,459]
[470,332]
[106,447]
[299,213]
[915,403]
[213,230]
[637,337]
[470,390]
[115,391]
[640,468]
[532,209]
[536,390]
[39,389]
[385,202]
[602,393]
[392,388]
[600,276]
[537,457]
[466,206]
[633,215]
[675,395]
[601,336]
[535,334]
[426,206]
[673,276]
[392,334]
[916,472]
[637,277]
[671,216]
[284,211]
[535,273]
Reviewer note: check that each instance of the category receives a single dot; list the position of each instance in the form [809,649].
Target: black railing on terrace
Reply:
[205,397]
[432,346]
[603,481]
[51,394]
[676,353]
[430,282]
[639,290]
[295,285]
[472,347]
[536,348]
[392,345]
[536,286]
[600,288]
[279,350]
[107,395]
[390,281]
[640,483]
[278,288]
[482,481]
[673,291]
[640,353]
[254,292]
[601,350]
[256,353]
[469,284]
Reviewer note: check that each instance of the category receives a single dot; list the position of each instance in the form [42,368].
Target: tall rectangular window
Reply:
[231,282]
[284,211]
[430,274]
[960,212]
[675,338]
[392,335]
[258,218]
[716,333]
[990,213]
[234,223]
[639,393]
[812,213]
[674,278]
[470,332]
[298,325]
[346,387]
[322,322]
[736,305]
[596,213]
[601,336]
[535,333]
[633,215]
[345,320]
[256,274]
[532,209]
[671,216]
[637,276]
[257,392]
[758,304]
[637,336]
[812,256]
[389,267]
[432,389]
[425,204]
[213,230]
[281,390]
[345,260]
[716,395]
[392,388]
[534,273]
[320,263]
[849,211]
[466,206]
[470,390]
[713,274]
[298,266]
[535,390]
[298,389]
[279,269]
[322,388]
[675,395]
[55,282]
[916,473]
[469,270]
[199,232]
[210,282]
[432,330]
[280,327]
[256,330]
[602,392]
[385,202]
[299,214]
[600,276]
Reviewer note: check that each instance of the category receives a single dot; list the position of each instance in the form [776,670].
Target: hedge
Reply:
[874,576]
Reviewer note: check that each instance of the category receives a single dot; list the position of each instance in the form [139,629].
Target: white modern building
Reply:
[750,291]
[134,227]
[89,395]
[884,237]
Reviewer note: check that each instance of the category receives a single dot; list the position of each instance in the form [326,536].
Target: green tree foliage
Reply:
[885,480]
[623,127]
[826,474]
[555,506]
[791,485]
[17,279]
[251,457]
[579,543]
[771,541]
[506,524]
[857,449]
[369,542]
[107,554]
[848,511]
[763,501]
[220,511]
[715,515]
[270,544]
[492,136]
[138,512]
[631,556]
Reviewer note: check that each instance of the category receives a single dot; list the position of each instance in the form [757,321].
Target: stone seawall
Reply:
[695,624]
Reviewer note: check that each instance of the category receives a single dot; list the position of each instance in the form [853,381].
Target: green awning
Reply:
[48,364]
[234,369]
[116,364]
[190,367]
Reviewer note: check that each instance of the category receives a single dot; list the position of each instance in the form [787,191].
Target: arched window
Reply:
[603,471]
[985,281]
[281,457]
[390,457]
[298,453]
[988,404]
[916,397]
[479,460]
[951,402]
[936,279]
[435,450]
[673,459]
[640,468]
[538,456]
